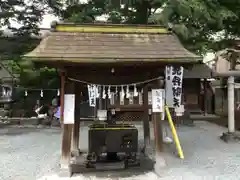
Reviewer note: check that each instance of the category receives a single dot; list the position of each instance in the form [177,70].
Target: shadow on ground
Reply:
[146,166]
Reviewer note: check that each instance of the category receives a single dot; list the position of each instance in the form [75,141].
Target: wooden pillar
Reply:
[157,124]
[62,92]
[67,128]
[100,100]
[156,118]
[205,102]
[76,128]
[146,128]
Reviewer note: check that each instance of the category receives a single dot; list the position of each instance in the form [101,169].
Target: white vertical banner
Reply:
[177,80]
[179,110]
[168,86]
[69,109]
[157,100]
[173,85]
[163,104]
[92,95]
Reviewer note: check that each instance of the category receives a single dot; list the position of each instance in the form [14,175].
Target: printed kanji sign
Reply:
[157,100]
[92,95]
[177,77]
[173,85]
[69,109]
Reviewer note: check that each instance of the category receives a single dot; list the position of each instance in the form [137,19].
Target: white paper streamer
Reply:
[4,93]
[58,92]
[92,95]
[109,92]
[41,94]
[127,92]
[116,91]
[135,93]
[122,93]
[104,93]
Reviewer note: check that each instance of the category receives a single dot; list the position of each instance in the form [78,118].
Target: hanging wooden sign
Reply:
[92,95]
[157,100]
[69,109]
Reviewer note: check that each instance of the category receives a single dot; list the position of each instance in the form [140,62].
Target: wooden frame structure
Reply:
[88,52]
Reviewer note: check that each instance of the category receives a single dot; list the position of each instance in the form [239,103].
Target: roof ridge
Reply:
[55,23]
[108,28]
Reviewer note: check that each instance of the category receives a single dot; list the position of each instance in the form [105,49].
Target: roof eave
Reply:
[86,60]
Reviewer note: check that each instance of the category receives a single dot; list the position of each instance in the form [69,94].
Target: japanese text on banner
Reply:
[157,100]
[168,86]
[92,95]
[177,78]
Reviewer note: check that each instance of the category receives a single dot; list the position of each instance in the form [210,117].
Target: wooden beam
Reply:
[205,96]
[156,118]
[62,92]
[76,128]
[146,127]
[67,132]
[157,123]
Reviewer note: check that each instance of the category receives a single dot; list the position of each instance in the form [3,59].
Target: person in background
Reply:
[57,113]
[57,109]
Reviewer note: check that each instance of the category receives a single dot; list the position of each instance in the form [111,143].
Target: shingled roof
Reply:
[110,43]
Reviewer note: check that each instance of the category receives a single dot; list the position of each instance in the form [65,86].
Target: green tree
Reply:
[194,21]
[28,14]
[197,21]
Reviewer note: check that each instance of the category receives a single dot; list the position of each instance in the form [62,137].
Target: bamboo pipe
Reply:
[174,133]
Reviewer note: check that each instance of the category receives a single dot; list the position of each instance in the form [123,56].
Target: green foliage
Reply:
[13,47]
[194,21]
[26,13]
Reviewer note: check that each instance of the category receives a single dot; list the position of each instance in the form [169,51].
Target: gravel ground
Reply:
[30,153]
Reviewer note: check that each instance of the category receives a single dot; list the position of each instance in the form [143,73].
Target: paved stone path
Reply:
[30,153]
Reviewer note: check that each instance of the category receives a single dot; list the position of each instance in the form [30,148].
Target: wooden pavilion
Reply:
[89,52]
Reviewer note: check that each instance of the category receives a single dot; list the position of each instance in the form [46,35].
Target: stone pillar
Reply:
[231,105]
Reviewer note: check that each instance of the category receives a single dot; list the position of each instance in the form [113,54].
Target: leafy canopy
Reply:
[195,22]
